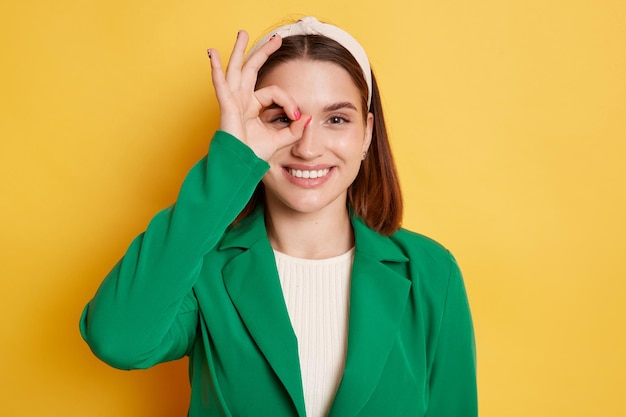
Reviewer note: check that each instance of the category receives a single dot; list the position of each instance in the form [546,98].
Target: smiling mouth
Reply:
[301,173]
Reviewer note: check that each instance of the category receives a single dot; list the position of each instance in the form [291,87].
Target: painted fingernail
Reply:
[208,53]
[297,114]
[273,36]
[308,121]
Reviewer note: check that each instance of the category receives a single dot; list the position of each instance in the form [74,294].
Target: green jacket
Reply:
[193,285]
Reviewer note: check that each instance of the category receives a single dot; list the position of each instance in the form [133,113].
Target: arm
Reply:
[453,374]
[144,312]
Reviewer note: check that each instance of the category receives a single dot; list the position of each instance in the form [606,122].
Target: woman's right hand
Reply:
[240,105]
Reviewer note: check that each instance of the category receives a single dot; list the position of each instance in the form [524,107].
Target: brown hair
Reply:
[375,195]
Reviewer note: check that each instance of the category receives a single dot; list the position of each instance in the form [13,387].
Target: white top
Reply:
[317,294]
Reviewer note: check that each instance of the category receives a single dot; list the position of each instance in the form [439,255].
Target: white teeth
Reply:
[298,173]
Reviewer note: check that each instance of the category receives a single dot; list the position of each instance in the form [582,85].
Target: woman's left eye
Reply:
[337,120]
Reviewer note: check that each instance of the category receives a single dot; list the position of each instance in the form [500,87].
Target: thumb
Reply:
[295,131]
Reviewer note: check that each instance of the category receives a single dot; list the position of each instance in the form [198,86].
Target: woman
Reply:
[281,270]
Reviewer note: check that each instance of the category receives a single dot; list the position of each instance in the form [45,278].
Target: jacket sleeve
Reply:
[145,312]
[453,390]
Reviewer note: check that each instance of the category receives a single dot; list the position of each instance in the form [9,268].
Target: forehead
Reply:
[313,82]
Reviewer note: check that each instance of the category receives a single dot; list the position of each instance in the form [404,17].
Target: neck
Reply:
[310,235]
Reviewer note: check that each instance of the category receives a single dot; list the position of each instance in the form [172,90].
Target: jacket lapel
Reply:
[251,279]
[378,297]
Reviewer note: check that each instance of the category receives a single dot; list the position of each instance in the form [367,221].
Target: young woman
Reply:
[281,270]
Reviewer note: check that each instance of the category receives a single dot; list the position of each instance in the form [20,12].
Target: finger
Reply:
[217,75]
[233,71]
[295,131]
[255,61]
[272,94]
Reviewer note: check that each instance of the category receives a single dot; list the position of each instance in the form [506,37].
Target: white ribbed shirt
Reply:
[317,294]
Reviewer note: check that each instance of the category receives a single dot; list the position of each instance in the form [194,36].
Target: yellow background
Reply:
[507,120]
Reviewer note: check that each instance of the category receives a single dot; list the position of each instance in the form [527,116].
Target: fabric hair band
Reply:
[312,26]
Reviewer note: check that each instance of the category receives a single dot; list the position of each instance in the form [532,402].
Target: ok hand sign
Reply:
[240,105]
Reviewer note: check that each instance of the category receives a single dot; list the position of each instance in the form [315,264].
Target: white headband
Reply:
[312,26]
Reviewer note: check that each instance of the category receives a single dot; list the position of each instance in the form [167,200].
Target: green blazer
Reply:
[192,285]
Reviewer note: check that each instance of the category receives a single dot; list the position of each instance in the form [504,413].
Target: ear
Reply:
[369,129]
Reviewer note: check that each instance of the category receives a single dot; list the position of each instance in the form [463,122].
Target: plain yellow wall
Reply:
[508,121]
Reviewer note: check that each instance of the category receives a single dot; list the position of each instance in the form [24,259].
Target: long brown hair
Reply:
[375,194]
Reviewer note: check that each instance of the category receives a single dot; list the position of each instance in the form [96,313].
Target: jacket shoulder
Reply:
[416,244]
[431,267]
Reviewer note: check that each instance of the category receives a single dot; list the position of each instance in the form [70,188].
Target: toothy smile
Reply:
[301,173]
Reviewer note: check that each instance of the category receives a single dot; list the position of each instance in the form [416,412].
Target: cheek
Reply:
[279,155]
[351,146]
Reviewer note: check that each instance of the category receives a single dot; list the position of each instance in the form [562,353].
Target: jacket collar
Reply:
[378,297]
[251,230]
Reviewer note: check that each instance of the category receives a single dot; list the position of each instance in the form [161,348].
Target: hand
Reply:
[240,105]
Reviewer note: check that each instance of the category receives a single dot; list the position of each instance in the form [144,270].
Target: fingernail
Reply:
[273,36]
[238,33]
[308,121]
[208,53]
[297,114]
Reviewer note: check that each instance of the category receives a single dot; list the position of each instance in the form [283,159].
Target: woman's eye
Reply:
[281,119]
[335,120]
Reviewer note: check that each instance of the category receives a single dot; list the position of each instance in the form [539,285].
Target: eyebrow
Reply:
[329,108]
[339,106]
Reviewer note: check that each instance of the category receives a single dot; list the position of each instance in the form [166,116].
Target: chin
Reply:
[308,205]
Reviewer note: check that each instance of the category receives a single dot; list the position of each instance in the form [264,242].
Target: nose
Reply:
[310,145]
